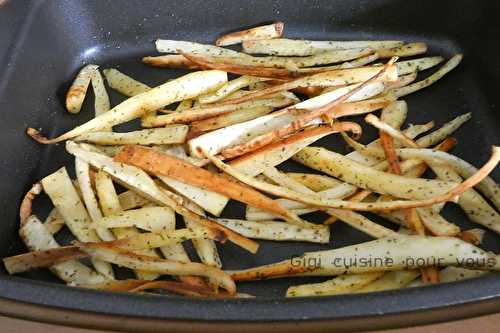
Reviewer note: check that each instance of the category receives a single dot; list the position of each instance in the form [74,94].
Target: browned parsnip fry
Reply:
[42,259]
[271,155]
[204,112]
[78,90]
[170,61]
[474,236]
[397,134]
[301,122]
[162,164]
[327,79]
[220,121]
[269,31]
[27,202]
[402,81]
[261,71]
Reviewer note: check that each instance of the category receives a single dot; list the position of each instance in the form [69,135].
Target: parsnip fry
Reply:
[417,65]
[187,86]
[177,46]
[228,119]
[216,141]
[25,208]
[162,266]
[61,191]
[78,90]
[37,238]
[110,204]
[477,209]
[328,79]
[290,47]
[406,50]
[101,103]
[204,112]
[165,165]
[124,84]
[257,161]
[277,231]
[137,179]
[210,201]
[386,254]
[274,30]
[446,68]
[314,182]
[391,280]
[450,195]
[155,219]
[343,284]
[171,61]
[229,88]
[54,222]
[158,136]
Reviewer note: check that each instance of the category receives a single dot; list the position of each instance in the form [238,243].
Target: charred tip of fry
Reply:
[37,136]
[279,27]
[25,209]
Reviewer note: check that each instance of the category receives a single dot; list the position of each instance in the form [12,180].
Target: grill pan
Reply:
[44,43]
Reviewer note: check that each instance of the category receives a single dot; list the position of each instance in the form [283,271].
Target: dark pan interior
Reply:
[43,48]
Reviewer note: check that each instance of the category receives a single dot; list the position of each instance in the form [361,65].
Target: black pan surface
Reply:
[44,43]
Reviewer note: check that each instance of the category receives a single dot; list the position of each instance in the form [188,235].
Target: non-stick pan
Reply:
[44,43]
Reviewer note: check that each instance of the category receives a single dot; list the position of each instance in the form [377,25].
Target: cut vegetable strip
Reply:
[165,165]
[111,205]
[37,238]
[290,47]
[155,219]
[101,102]
[187,86]
[216,141]
[447,67]
[204,112]
[229,88]
[137,179]
[328,79]
[162,266]
[386,254]
[78,90]
[177,46]
[343,284]
[406,50]
[269,31]
[451,195]
[124,84]
[63,195]
[158,136]
[277,231]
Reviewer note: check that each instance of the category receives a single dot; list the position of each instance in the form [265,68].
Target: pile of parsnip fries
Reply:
[206,140]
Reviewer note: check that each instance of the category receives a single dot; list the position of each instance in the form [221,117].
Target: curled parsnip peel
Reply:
[451,194]
[78,90]
[185,87]
[164,165]
[274,30]
[392,253]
